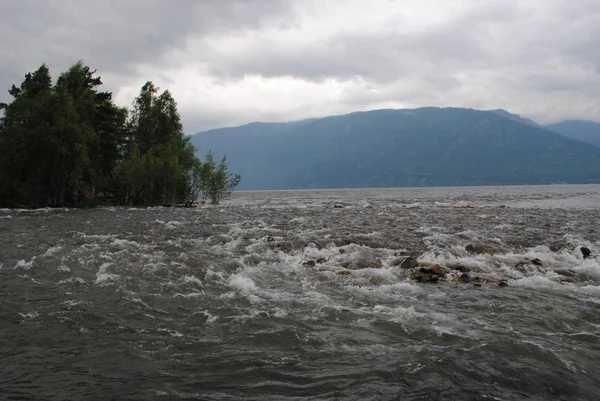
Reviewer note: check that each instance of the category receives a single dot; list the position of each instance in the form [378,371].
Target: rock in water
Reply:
[502,284]
[465,278]
[338,206]
[480,249]
[464,204]
[409,263]
[537,262]
[310,263]
[565,273]
[586,252]
[460,268]
[397,261]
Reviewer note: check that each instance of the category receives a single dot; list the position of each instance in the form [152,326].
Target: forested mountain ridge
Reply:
[394,148]
[585,131]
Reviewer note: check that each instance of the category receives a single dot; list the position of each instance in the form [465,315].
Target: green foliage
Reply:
[213,181]
[60,142]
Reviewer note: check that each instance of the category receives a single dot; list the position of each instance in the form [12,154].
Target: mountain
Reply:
[514,117]
[584,131]
[394,148]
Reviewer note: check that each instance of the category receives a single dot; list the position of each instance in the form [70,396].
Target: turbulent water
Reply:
[217,303]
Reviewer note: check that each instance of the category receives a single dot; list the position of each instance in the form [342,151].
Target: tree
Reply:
[63,141]
[43,144]
[156,140]
[106,121]
[216,182]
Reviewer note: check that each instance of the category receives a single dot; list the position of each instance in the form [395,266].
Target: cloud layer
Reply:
[232,62]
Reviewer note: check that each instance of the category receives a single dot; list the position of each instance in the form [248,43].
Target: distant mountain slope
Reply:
[584,131]
[514,117]
[394,148]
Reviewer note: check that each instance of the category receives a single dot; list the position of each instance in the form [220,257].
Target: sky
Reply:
[230,62]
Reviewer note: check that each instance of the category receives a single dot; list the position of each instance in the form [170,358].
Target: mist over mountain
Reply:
[514,117]
[396,148]
[585,131]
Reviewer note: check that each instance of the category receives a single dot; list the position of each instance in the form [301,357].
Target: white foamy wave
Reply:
[591,290]
[171,225]
[103,277]
[72,280]
[192,280]
[71,302]
[31,315]
[242,283]
[51,251]
[537,282]
[172,333]
[22,264]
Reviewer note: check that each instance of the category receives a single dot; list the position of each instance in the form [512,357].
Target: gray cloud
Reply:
[115,36]
[540,58]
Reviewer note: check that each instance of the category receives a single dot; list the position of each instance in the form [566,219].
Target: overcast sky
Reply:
[230,62]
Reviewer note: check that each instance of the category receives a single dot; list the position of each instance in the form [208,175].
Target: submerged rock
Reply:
[409,263]
[310,263]
[460,268]
[397,262]
[465,278]
[537,262]
[565,273]
[502,284]
[344,272]
[480,249]
[367,264]
[376,280]
[425,277]
[338,206]
[586,252]
[464,204]
[321,260]
[285,247]
[435,269]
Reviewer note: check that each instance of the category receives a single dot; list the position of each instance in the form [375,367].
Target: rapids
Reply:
[217,303]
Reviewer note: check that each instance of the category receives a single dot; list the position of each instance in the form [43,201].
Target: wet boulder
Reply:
[321,261]
[537,262]
[434,269]
[585,251]
[424,277]
[409,263]
[285,247]
[338,206]
[465,278]
[460,268]
[503,283]
[344,272]
[364,263]
[565,273]
[310,262]
[376,280]
[480,249]
[464,204]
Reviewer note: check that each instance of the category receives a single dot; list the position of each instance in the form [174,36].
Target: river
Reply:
[281,295]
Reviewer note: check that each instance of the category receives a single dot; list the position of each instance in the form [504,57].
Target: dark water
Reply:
[215,303]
